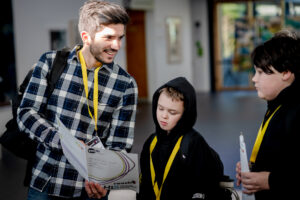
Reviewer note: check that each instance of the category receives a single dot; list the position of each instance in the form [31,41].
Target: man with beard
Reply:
[93,97]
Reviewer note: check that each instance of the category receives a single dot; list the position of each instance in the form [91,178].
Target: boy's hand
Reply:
[255,181]
[252,181]
[94,190]
[238,174]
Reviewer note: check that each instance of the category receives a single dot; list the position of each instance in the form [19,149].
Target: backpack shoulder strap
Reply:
[185,143]
[58,66]
[25,82]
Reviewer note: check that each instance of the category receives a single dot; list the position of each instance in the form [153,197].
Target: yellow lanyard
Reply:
[167,168]
[85,83]
[260,136]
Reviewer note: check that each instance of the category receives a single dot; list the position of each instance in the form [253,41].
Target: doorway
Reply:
[136,51]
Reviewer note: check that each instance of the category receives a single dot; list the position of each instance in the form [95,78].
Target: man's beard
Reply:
[94,51]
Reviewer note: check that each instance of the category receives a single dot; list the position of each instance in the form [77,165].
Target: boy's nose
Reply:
[254,78]
[164,115]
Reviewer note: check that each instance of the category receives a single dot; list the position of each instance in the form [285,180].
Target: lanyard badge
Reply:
[85,83]
[167,168]
[260,136]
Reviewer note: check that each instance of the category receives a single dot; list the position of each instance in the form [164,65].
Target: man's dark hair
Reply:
[282,52]
[95,13]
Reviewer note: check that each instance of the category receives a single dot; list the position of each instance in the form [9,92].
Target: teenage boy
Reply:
[167,170]
[274,166]
[93,97]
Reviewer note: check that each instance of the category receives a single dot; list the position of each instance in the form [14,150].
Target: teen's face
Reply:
[168,112]
[107,42]
[268,86]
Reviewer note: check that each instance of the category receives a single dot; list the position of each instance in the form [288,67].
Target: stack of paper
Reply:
[111,169]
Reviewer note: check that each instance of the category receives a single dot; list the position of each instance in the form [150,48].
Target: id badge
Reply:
[95,142]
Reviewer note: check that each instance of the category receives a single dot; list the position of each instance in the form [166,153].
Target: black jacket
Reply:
[195,174]
[279,151]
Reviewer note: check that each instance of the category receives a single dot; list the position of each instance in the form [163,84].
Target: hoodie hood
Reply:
[189,115]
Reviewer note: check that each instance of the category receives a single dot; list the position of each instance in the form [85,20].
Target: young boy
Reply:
[276,149]
[167,171]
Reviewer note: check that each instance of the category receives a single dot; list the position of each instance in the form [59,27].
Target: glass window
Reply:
[241,26]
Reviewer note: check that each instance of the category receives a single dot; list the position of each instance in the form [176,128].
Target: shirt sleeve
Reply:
[123,120]
[31,118]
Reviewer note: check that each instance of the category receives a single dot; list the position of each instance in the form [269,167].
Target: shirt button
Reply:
[74,109]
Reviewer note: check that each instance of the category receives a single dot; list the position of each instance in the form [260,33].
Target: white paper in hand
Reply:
[244,164]
[111,169]
[73,149]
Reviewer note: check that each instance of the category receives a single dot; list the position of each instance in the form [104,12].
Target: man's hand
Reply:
[94,190]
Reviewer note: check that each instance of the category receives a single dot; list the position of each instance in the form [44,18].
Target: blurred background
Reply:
[207,41]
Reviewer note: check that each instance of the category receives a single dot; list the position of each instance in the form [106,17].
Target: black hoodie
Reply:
[193,175]
[279,150]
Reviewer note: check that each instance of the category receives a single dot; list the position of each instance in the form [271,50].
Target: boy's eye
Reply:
[259,71]
[160,108]
[173,112]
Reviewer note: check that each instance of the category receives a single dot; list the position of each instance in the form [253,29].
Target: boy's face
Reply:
[168,112]
[268,86]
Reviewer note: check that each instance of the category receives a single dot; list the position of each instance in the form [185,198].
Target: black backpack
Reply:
[13,139]
[226,190]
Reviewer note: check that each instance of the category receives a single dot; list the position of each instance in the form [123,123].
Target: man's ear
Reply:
[86,38]
[287,75]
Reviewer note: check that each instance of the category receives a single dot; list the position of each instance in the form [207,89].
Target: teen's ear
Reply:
[85,37]
[287,75]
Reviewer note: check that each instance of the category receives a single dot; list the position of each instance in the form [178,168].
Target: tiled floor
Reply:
[221,118]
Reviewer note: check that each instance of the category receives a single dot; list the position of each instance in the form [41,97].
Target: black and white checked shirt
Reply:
[117,98]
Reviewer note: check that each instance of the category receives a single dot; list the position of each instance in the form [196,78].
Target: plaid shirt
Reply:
[117,98]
